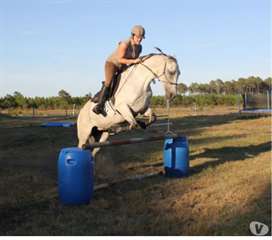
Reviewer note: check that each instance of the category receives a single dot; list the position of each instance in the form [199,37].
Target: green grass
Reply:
[228,187]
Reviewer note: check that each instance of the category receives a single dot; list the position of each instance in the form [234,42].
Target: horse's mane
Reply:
[145,57]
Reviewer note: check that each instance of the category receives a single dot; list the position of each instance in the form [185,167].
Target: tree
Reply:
[229,87]
[241,85]
[19,99]
[194,88]
[65,99]
[182,88]
[217,86]
[9,102]
[65,95]
[253,84]
[268,83]
[204,88]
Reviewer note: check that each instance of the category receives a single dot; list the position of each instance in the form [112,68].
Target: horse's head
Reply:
[170,77]
[165,68]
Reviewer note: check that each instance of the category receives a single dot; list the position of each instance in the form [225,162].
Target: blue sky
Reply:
[49,45]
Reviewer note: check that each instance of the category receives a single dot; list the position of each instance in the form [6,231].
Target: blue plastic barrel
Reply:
[75,176]
[176,157]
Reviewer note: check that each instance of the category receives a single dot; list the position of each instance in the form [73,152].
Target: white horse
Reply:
[132,97]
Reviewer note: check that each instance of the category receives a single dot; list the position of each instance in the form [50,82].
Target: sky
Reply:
[49,45]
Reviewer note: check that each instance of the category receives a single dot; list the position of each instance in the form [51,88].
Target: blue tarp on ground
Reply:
[257,111]
[58,124]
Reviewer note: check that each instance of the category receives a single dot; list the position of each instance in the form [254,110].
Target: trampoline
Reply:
[258,103]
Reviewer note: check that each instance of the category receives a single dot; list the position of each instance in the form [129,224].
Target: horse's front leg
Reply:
[151,116]
[127,114]
[103,138]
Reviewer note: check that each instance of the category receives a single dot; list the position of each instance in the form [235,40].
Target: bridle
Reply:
[144,58]
[155,74]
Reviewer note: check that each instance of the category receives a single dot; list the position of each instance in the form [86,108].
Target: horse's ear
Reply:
[159,50]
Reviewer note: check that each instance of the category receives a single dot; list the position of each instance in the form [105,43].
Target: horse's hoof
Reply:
[153,118]
[132,126]
[141,124]
[85,146]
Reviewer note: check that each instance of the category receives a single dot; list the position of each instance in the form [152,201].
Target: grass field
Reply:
[229,184]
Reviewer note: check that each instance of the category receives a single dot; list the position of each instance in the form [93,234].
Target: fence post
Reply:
[268,98]
[74,105]
[245,100]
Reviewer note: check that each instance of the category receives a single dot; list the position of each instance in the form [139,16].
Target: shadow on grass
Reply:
[5,116]
[220,155]
[201,121]
[238,225]
[226,154]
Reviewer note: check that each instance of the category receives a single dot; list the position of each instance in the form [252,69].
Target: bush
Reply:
[200,100]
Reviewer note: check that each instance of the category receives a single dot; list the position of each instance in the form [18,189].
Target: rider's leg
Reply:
[110,70]
[103,96]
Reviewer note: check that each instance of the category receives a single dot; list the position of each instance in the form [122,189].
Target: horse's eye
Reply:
[172,72]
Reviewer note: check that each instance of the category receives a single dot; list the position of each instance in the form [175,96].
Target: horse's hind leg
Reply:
[84,125]
[104,136]
[83,138]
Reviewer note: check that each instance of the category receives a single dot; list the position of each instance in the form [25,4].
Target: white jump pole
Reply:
[126,141]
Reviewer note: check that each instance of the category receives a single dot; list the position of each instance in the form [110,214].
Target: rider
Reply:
[127,53]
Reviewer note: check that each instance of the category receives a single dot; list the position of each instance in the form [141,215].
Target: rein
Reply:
[155,74]
[144,58]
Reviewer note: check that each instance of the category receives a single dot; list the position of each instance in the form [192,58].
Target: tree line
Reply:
[242,85]
[215,92]
[63,101]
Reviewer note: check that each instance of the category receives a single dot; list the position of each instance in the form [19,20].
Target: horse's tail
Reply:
[84,124]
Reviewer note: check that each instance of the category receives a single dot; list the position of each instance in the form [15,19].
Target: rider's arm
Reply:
[121,55]
[140,51]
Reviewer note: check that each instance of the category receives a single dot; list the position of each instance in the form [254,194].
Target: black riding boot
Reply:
[103,96]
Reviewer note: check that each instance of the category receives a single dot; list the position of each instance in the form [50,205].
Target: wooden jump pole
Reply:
[126,141]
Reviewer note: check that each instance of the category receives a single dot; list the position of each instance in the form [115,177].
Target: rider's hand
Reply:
[137,60]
